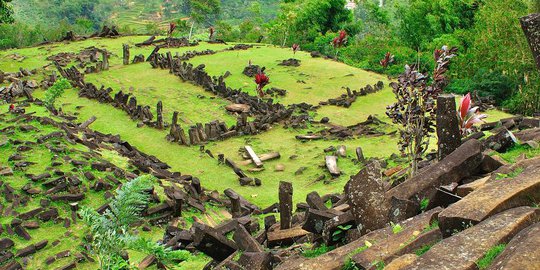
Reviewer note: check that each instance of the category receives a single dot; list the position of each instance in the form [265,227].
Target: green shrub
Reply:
[56,91]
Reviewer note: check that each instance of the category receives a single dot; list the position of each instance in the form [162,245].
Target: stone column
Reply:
[160,115]
[531,27]
[285,204]
[126,54]
[448,133]
[105,63]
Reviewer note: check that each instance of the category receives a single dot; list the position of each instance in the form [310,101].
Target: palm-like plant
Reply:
[110,231]
[468,115]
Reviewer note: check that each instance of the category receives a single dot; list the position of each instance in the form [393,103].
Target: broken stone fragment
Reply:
[458,165]
[366,194]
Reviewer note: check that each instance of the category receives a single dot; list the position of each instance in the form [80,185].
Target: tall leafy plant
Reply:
[110,231]
[55,91]
[414,110]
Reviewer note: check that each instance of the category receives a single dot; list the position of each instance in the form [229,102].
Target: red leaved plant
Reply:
[295,48]
[261,80]
[212,30]
[172,27]
[387,60]
[339,41]
[468,115]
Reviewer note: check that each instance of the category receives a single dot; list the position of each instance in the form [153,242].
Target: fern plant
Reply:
[110,231]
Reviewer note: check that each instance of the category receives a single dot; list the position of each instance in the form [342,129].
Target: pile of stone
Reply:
[88,56]
[56,186]
[17,89]
[252,70]
[346,100]
[239,47]
[276,92]
[199,133]
[126,102]
[16,76]
[370,127]
[291,62]
[265,112]
[106,32]
[168,42]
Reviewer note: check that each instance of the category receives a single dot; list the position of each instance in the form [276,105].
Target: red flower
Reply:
[172,27]
[11,107]
[261,80]
[212,31]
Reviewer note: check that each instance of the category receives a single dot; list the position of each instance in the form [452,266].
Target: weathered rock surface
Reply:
[463,250]
[335,259]
[522,252]
[494,197]
[454,167]
[410,238]
[366,195]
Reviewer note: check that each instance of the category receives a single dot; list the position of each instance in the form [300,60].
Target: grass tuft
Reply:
[491,254]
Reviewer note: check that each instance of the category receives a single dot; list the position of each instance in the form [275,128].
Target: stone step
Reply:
[463,250]
[412,237]
[522,252]
[494,197]
[335,259]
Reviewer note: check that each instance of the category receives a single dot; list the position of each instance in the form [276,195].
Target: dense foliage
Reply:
[6,12]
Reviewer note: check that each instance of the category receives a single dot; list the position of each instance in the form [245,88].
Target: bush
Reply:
[487,83]
[56,91]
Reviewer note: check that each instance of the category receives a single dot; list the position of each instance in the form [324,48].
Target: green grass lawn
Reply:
[152,85]
[315,80]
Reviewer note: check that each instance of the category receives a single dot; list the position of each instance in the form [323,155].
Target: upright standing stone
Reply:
[366,194]
[160,115]
[174,134]
[126,54]
[360,155]
[447,126]
[285,204]
[105,63]
[531,27]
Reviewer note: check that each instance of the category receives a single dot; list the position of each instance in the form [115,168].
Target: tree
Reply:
[6,12]
[110,231]
[202,12]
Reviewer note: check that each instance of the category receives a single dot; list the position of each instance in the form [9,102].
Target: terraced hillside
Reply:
[315,80]
[313,112]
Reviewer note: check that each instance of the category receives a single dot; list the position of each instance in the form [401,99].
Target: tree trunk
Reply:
[531,27]
[191,30]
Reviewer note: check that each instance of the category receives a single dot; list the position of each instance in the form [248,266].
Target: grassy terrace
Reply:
[323,79]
